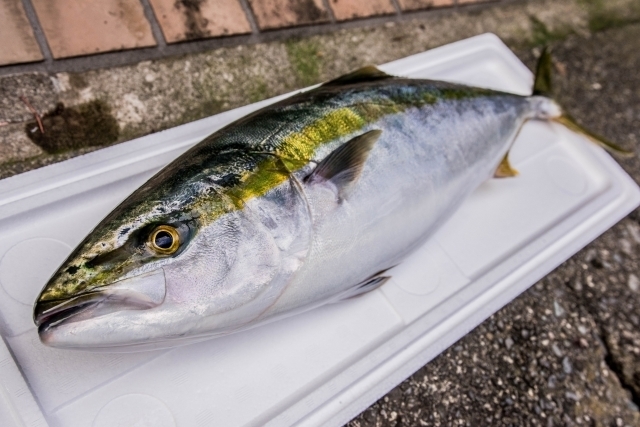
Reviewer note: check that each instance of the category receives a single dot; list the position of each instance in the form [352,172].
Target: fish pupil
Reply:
[163,240]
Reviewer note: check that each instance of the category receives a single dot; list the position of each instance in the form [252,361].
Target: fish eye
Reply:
[164,240]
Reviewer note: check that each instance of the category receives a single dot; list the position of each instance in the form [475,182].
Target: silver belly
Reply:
[422,168]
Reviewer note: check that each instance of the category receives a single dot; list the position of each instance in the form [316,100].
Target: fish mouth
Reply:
[140,292]
[51,313]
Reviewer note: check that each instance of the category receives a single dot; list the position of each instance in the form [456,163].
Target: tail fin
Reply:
[570,123]
[543,86]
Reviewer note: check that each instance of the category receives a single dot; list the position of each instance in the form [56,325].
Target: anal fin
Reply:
[505,170]
[364,287]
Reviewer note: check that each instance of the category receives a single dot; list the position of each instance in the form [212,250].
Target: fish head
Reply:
[162,269]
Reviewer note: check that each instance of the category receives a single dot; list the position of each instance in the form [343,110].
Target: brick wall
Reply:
[37,30]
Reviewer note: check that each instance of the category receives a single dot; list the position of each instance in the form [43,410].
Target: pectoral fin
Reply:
[505,170]
[343,166]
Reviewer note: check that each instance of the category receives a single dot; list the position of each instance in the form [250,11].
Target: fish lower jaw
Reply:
[141,292]
[52,339]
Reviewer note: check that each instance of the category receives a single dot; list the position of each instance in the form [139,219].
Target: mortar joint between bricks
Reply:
[156,29]
[38,32]
[332,17]
[396,6]
[248,12]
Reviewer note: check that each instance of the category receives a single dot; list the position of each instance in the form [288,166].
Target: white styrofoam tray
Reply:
[323,367]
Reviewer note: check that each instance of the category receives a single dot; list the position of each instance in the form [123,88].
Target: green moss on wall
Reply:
[541,35]
[305,59]
[605,14]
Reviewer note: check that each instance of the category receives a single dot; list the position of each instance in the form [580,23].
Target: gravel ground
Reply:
[567,351]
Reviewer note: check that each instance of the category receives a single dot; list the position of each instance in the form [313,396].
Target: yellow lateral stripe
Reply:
[296,151]
[300,146]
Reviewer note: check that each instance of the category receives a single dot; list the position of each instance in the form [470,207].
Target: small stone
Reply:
[633,282]
[626,247]
[544,362]
[556,350]
[557,309]
[508,343]
[561,68]
[634,231]
[583,329]
[571,395]
[596,86]
[149,77]
[370,415]
[524,333]
[393,415]
[552,381]
[566,366]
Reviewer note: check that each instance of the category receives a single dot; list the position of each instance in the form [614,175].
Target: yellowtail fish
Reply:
[303,203]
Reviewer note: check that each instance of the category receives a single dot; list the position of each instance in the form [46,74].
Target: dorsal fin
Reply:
[369,73]
[543,84]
